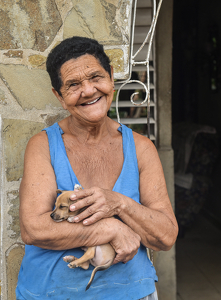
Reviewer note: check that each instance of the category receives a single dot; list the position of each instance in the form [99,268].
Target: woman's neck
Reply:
[90,133]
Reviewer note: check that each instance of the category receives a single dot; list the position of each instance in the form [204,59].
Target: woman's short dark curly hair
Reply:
[73,48]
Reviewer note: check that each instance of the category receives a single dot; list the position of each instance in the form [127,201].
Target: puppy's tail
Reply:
[98,268]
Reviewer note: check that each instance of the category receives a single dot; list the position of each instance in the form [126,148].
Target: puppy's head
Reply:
[62,204]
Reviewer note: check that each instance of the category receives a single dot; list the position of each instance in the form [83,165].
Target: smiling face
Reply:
[87,89]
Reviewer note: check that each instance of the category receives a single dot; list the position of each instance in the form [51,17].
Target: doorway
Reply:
[196,111]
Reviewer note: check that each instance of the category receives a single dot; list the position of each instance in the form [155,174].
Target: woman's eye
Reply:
[74,86]
[96,77]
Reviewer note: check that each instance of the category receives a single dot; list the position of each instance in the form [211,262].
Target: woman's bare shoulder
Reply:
[142,143]
[38,144]
[38,172]
[147,154]
[39,137]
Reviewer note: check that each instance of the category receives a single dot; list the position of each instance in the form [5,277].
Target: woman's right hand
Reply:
[125,242]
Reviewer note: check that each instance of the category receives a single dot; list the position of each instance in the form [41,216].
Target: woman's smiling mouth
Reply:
[92,102]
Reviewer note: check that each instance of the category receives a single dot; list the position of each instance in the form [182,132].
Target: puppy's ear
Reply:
[59,191]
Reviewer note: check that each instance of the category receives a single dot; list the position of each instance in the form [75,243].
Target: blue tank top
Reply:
[44,274]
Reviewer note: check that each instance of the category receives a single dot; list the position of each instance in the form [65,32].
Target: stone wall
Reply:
[29,30]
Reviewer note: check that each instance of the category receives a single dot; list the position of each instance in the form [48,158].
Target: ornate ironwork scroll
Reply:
[133,62]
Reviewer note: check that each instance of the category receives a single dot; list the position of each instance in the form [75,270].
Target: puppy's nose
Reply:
[52,215]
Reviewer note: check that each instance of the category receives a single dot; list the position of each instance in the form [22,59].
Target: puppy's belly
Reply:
[103,254]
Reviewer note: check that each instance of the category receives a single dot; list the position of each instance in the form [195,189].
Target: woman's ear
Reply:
[112,75]
[60,98]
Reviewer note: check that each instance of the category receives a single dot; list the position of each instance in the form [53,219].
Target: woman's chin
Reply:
[93,116]
[90,120]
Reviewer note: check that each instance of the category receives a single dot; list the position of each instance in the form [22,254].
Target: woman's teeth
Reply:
[92,102]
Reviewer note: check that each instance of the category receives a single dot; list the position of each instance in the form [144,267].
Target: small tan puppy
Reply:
[101,257]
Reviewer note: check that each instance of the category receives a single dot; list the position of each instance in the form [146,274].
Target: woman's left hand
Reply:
[100,204]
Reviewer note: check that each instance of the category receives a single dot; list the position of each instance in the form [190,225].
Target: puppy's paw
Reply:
[77,187]
[70,219]
[69,258]
[72,265]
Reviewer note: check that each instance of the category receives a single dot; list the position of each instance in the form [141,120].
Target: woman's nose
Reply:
[88,89]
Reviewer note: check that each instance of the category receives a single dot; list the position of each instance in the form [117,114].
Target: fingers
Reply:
[91,209]
[125,244]
[84,196]
[86,202]
[124,257]
[98,204]
[89,216]
[93,219]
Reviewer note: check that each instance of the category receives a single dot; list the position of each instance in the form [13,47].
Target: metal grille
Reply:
[131,115]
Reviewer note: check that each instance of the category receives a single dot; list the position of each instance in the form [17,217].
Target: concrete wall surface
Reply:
[29,30]
[165,261]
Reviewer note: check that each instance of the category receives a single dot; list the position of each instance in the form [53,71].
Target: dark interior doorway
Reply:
[196,118]
[196,98]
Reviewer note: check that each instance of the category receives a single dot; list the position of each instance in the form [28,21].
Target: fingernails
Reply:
[85,222]
[76,219]
[73,196]
[72,207]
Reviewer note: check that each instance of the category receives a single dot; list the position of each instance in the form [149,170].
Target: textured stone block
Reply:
[116,57]
[28,24]
[37,60]
[14,54]
[98,21]
[13,227]
[31,88]
[2,98]
[50,119]
[13,262]
[107,21]
[16,134]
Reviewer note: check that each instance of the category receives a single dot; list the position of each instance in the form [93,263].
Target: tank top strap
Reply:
[54,134]
[65,176]
[128,181]
[129,148]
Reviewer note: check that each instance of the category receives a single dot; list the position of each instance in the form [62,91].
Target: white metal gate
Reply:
[133,116]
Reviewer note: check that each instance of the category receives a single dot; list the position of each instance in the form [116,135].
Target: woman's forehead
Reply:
[84,63]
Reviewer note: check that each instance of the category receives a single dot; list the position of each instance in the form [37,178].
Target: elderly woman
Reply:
[121,176]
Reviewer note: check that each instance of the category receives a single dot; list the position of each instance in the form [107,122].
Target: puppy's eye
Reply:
[62,206]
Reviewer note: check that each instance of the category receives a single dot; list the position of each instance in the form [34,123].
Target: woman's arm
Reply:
[153,220]
[37,198]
